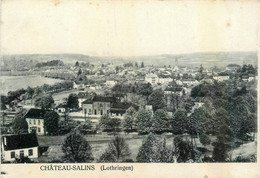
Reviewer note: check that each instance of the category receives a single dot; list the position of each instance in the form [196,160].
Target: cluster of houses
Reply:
[174,81]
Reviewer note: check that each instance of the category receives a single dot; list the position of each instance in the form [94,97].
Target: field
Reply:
[98,143]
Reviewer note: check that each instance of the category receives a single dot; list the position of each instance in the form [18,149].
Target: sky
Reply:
[128,28]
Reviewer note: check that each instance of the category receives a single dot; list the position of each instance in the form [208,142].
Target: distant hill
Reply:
[193,59]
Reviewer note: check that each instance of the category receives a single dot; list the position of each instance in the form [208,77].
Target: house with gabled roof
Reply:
[35,119]
[19,146]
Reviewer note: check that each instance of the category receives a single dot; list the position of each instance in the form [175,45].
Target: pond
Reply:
[12,83]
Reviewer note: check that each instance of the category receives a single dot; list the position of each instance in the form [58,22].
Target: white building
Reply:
[190,81]
[164,80]
[152,79]
[35,119]
[111,83]
[221,78]
[19,146]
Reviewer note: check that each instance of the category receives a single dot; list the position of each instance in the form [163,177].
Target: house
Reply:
[221,77]
[251,77]
[18,146]
[78,85]
[232,67]
[82,96]
[151,78]
[176,69]
[149,108]
[190,81]
[98,105]
[61,108]
[174,90]
[118,109]
[35,119]
[110,83]
[163,80]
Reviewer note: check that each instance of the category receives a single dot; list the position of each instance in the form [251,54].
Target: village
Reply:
[185,113]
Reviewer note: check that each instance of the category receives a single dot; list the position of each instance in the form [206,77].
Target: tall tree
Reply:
[44,101]
[143,120]
[142,64]
[77,149]
[19,124]
[72,101]
[129,119]
[117,151]
[51,122]
[146,151]
[156,99]
[160,121]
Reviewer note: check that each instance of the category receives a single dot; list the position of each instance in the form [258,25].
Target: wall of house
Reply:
[37,123]
[101,108]
[88,108]
[97,108]
[7,154]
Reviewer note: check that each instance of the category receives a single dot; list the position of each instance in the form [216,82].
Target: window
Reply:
[39,122]
[12,154]
[34,121]
[30,121]
[39,130]
[95,112]
[30,152]
[89,110]
[21,153]
[101,112]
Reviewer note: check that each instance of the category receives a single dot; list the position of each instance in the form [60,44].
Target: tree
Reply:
[77,149]
[142,64]
[117,151]
[220,151]
[129,119]
[19,124]
[146,151]
[109,124]
[30,92]
[144,89]
[3,102]
[204,139]
[73,102]
[184,151]
[160,121]
[179,123]
[44,101]
[51,122]
[143,120]
[79,72]
[153,150]
[156,99]
[77,64]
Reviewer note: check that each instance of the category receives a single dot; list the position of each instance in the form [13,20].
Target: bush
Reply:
[204,139]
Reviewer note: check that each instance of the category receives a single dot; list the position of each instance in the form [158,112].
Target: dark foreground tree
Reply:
[51,122]
[184,151]
[117,151]
[77,149]
[152,150]
[19,124]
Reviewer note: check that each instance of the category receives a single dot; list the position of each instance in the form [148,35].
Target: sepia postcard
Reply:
[129,88]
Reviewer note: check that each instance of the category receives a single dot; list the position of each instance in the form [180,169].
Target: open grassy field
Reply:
[99,144]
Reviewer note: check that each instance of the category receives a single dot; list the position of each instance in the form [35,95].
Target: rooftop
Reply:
[13,142]
[35,113]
